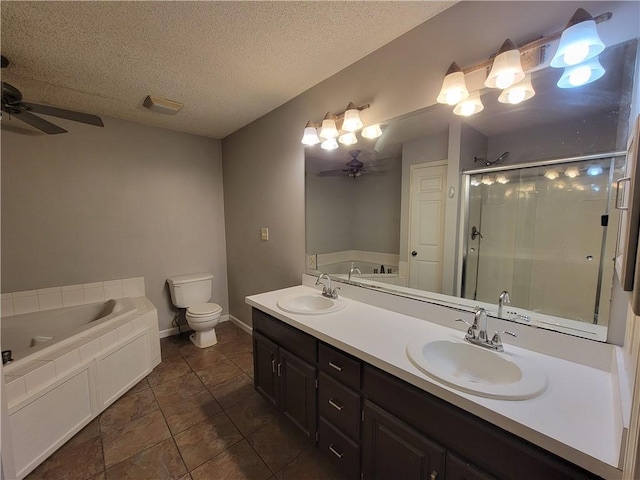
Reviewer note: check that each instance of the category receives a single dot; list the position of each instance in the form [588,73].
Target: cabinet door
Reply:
[392,450]
[265,364]
[298,392]
[458,469]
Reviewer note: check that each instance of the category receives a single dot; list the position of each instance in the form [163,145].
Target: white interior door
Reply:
[426,226]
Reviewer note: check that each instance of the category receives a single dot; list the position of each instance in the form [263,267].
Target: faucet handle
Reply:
[496,341]
[470,330]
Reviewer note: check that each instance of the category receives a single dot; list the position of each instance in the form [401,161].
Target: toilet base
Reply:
[204,339]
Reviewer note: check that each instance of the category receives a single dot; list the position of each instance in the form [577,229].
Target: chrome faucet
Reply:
[477,332]
[327,291]
[353,269]
[503,300]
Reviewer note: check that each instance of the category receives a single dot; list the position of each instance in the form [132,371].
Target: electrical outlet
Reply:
[312,261]
[264,233]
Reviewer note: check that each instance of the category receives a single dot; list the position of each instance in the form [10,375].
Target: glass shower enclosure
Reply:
[546,233]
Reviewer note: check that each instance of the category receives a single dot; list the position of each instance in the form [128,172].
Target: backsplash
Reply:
[29,301]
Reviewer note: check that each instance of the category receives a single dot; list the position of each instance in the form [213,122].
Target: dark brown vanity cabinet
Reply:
[284,370]
[339,409]
[372,425]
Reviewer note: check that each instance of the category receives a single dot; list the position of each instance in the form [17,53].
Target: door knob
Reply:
[414,253]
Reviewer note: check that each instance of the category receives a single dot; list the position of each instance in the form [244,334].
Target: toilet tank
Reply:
[192,289]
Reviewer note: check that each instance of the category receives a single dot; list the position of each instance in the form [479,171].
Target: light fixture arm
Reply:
[542,41]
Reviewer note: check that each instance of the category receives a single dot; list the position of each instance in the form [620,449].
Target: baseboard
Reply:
[240,324]
[223,318]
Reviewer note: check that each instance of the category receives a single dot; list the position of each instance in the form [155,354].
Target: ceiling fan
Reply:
[354,169]
[13,105]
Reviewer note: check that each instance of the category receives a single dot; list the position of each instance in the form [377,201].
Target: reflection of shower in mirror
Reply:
[488,163]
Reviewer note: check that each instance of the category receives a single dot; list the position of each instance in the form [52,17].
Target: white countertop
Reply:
[577,417]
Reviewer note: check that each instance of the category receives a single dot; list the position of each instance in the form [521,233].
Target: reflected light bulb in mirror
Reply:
[572,172]
[594,170]
[469,106]
[351,121]
[551,174]
[329,144]
[372,131]
[581,74]
[502,179]
[348,138]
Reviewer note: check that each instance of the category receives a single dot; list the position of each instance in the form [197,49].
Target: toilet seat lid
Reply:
[204,309]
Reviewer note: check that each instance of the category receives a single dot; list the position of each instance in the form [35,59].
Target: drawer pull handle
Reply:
[434,475]
[337,367]
[335,405]
[273,366]
[279,369]
[335,452]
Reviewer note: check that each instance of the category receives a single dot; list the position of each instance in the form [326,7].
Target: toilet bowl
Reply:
[203,319]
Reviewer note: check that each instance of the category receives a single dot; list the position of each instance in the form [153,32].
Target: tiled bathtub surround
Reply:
[29,301]
[59,389]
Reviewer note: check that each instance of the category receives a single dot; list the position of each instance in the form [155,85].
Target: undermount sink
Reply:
[309,304]
[478,370]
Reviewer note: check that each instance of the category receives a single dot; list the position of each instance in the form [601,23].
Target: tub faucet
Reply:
[352,270]
[503,300]
[327,291]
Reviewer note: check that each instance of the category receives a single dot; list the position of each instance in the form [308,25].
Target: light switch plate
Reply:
[264,233]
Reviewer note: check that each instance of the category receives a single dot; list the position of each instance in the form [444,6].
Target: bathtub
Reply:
[29,333]
[69,364]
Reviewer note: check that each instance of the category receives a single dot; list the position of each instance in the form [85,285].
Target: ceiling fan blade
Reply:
[67,114]
[332,173]
[39,123]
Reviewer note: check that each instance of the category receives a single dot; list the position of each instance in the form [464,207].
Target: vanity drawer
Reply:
[340,366]
[292,339]
[340,405]
[341,452]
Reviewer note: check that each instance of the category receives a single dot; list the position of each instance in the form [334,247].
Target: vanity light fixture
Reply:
[511,63]
[518,92]
[581,74]
[579,41]
[507,68]
[372,131]
[454,88]
[334,126]
[328,129]
[310,136]
[470,106]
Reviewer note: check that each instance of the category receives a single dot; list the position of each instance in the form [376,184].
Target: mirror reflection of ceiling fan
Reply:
[13,106]
[355,168]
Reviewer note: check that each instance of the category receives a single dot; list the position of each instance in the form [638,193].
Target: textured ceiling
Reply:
[228,62]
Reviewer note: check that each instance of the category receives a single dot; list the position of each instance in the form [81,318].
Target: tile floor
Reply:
[195,417]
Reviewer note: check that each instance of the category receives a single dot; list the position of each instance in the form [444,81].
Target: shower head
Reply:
[502,157]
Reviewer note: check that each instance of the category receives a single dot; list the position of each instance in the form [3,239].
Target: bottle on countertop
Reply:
[382,269]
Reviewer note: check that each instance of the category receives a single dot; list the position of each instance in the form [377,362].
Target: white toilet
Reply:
[193,292]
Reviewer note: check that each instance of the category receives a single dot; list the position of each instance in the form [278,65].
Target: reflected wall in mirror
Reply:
[401,220]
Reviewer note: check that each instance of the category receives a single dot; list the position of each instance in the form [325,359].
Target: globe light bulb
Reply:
[576,54]
[516,95]
[580,76]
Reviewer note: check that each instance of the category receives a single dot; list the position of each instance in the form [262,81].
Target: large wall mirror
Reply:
[418,211]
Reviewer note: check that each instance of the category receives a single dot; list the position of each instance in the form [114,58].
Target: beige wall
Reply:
[264,162]
[107,203]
